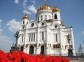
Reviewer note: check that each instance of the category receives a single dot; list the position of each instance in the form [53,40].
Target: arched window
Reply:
[32,24]
[45,17]
[31,50]
[56,38]
[55,16]
[22,48]
[49,17]
[42,49]
[38,18]
[41,17]
[42,24]
[70,52]
[42,33]
[23,22]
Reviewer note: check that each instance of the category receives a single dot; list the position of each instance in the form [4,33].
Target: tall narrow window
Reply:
[45,17]
[49,17]
[42,35]
[31,36]
[55,16]
[42,49]
[68,38]
[22,48]
[22,37]
[41,17]
[23,22]
[56,38]
[34,36]
[38,18]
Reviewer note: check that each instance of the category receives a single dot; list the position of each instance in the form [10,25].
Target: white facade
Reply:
[47,34]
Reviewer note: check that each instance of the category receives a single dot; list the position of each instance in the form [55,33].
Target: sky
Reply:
[11,12]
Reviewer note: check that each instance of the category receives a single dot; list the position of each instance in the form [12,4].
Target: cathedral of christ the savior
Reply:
[47,35]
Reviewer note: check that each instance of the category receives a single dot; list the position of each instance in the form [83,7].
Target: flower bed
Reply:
[18,56]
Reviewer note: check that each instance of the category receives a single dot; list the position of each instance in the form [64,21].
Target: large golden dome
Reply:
[55,9]
[45,7]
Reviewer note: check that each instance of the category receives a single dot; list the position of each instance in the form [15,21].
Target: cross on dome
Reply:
[46,1]
[25,16]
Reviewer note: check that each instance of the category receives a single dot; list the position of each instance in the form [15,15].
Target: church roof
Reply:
[47,7]
[55,9]
[25,17]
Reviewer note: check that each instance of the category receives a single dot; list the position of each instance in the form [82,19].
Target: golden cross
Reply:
[45,1]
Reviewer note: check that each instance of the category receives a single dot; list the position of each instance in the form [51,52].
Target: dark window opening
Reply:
[22,48]
[66,46]
[42,49]
[55,26]
[42,24]
[68,38]
[70,52]
[23,22]
[31,50]
[22,37]
[55,16]
[32,24]
[43,36]
[56,38]
[38,18]
[41,17]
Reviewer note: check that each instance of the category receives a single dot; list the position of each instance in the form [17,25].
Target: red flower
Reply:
[18,56]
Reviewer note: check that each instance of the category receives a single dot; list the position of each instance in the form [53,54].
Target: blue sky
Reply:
[11,12]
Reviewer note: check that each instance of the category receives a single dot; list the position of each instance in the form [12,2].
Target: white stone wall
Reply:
[50,30]
[58,15]
[44,15]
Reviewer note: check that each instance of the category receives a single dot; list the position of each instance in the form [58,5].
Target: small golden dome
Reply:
[45,7]
[25,17]
[55,9]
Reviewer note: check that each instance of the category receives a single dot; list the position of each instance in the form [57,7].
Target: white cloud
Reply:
[16,1]
[13,25]
[26,12]
[82,32]
[0,25]
[25,3]
[26,7]
[33,1]
[0,20]
[32,20]
[5,41]
[32,8]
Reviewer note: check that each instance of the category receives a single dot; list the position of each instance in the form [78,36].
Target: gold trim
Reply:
[55,9]
[25,17]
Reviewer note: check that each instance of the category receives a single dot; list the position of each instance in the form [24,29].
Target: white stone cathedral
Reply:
[47,35]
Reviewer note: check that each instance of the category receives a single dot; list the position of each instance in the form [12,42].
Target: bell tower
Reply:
[56,13]
[25,19]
